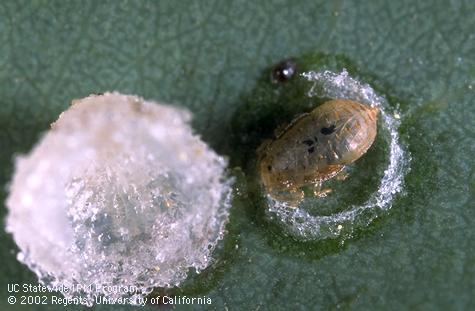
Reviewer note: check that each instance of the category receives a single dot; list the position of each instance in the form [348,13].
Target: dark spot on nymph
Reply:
[269,168]
[311,149]
[308,142]
[284,71]
[328,130]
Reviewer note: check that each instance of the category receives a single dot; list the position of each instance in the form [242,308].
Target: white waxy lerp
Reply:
[119,194]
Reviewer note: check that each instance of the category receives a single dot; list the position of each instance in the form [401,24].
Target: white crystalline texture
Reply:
[119,192]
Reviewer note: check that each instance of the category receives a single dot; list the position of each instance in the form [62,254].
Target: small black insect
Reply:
[284,71]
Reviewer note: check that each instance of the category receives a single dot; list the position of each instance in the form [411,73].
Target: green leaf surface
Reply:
[209,56]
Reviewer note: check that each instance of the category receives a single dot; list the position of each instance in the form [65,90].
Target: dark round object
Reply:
[284,71]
